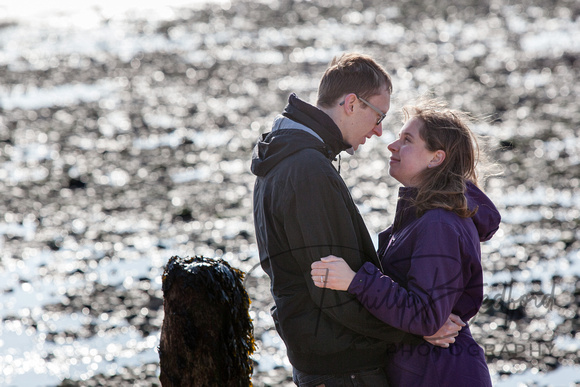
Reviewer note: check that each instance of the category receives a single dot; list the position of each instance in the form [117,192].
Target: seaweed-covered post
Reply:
[207,334]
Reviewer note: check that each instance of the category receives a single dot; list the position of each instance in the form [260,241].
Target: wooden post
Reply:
[207,334]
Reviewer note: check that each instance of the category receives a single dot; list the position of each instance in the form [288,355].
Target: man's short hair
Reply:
[352,73]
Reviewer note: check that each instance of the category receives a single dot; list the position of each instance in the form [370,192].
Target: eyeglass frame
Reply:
[376,109]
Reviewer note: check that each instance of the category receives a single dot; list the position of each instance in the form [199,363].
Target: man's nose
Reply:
[378,130]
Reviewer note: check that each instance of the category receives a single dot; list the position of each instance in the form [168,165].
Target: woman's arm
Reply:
[334,273]
[434,283]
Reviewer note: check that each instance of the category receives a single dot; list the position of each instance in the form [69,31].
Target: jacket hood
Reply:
[486,219]
[301,126]
[314,118]
[275,146]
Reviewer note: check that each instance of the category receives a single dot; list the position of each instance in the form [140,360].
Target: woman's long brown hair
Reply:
[445,129]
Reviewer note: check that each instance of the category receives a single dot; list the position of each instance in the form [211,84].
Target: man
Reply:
[303,211]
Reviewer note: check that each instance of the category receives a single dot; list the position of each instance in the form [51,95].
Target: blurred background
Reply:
[126,130]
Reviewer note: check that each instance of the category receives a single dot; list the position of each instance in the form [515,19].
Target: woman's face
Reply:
[409,154]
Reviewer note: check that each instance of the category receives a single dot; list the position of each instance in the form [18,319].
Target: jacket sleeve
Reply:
[324,223]
[435,281]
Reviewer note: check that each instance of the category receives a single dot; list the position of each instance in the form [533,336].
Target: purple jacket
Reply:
[432,267]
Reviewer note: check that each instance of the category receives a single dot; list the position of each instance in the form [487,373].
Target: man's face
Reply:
[364,122]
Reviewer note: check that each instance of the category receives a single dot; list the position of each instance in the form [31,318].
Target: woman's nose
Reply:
[393,146]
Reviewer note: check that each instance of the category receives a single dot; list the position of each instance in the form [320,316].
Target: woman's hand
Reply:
[332,272]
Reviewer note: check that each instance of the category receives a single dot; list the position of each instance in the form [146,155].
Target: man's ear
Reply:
[348,103]
[437,159]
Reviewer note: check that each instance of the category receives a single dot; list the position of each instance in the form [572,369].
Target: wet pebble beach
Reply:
[125,139]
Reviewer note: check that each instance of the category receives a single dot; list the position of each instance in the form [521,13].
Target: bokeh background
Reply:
[126,130]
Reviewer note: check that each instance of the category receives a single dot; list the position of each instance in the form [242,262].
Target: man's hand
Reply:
[447,333]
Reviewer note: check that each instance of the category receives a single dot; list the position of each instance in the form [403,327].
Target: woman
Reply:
[430,256]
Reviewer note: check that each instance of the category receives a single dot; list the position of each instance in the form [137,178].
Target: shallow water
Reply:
[125,138]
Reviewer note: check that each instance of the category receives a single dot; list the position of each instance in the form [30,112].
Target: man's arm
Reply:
[447,333]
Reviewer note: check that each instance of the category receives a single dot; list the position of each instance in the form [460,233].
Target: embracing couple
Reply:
[348,314]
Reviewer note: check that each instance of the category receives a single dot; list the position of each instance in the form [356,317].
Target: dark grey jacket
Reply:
[303,211]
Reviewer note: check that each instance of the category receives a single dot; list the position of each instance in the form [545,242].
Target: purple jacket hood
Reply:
[487,218]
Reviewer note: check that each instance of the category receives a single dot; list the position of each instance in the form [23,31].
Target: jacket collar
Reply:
[320,122]
[486,219]
[405,211]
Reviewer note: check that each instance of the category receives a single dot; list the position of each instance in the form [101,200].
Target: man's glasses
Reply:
[376,109]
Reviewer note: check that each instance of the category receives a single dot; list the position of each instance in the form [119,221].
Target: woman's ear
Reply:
[437,159]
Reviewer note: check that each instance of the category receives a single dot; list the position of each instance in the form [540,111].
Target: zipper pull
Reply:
[391,241]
